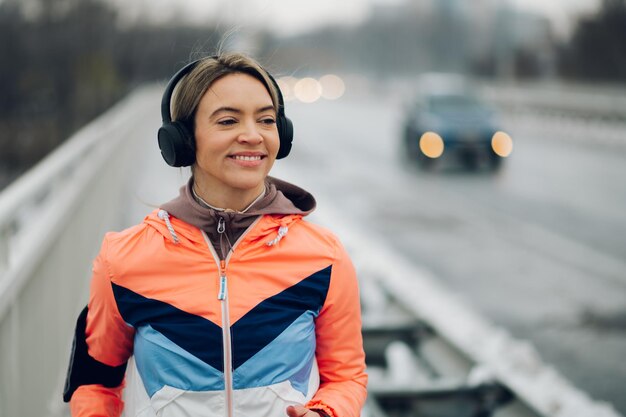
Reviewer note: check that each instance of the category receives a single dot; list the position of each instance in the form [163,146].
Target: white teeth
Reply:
[247,158]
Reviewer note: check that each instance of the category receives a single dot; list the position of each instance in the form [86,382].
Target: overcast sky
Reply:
[294,16]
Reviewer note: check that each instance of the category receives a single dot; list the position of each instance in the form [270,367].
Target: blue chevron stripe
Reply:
[271,317]
[295,309]
[197,335]
[289,357]
[155,353]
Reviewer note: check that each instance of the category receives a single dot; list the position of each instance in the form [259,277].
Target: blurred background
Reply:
[483,140]
[65,61]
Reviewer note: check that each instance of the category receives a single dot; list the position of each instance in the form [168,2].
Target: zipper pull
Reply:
[221,229]
[222,293]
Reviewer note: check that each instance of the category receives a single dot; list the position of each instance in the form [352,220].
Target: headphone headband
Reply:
[166,101]
[177,143]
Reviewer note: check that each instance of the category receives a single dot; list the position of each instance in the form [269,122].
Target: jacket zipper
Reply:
[222,296]
[226,341]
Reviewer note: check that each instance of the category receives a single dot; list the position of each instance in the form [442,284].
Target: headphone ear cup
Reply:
[285,134]
[177,144]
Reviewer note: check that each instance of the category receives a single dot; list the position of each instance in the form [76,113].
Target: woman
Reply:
[230,302]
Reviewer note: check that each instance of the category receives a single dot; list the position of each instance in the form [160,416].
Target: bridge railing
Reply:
[51,223]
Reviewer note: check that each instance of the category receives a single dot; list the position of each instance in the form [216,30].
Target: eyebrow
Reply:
[238,111]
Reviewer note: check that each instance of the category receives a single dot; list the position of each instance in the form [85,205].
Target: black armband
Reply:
[85,370]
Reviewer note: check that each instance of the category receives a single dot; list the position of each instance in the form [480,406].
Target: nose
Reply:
[250,134]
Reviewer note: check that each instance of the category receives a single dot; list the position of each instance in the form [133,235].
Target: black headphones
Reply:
[176,141]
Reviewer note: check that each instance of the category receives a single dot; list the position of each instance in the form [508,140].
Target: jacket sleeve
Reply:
[95,378]
[339,350]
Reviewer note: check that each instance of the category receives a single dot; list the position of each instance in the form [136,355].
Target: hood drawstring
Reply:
[282,231]
[221,228]
[164,215]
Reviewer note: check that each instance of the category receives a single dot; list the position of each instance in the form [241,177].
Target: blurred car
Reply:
[452,121]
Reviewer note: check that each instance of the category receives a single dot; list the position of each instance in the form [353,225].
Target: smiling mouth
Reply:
[247,157]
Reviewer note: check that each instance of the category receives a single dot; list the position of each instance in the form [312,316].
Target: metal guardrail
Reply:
[606,103]
[416,372]
[51,224]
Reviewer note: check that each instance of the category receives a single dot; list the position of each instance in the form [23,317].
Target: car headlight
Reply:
[431,145]
[502,144]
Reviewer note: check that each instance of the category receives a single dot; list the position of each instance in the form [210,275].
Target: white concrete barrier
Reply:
[52,220]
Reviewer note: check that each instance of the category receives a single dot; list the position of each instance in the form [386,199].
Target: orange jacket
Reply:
[277,323]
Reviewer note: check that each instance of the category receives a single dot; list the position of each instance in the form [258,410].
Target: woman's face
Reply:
[236,137]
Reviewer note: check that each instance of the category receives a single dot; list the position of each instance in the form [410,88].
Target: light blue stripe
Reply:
[161,362]
[288,357]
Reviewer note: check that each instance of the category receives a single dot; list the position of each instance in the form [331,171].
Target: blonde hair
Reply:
[194,85]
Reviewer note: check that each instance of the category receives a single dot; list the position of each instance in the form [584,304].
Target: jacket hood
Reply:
[184,215]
